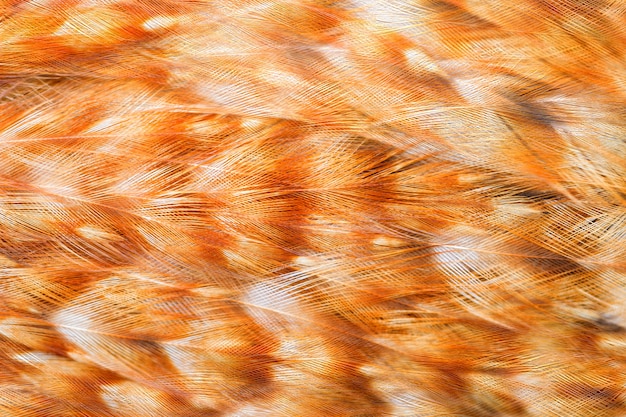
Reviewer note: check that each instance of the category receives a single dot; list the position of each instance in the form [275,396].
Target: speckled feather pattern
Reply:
[311,208]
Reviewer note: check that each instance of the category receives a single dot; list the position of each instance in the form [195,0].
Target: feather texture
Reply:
[311,208]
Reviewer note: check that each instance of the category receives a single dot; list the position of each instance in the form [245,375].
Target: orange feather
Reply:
[312,208]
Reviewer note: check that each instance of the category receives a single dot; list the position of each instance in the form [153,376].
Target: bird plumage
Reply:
[312,208]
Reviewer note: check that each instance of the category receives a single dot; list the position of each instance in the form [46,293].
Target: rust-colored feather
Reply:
[311,208]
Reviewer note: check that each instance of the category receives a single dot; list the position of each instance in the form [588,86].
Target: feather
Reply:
[312,208]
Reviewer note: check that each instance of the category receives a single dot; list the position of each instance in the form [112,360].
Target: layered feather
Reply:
[312,208]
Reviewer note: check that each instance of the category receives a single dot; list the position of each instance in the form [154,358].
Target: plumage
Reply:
[312,208]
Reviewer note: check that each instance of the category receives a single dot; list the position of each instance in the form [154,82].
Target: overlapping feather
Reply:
[312,208]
